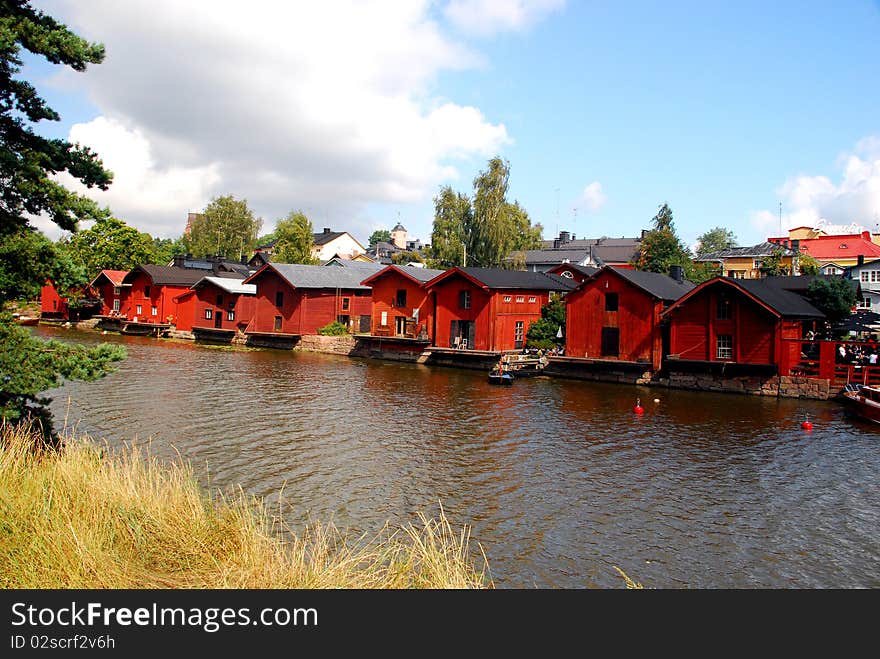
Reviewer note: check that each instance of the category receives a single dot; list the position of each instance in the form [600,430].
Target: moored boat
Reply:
[524,365]
[25,320]
[862,401]
[497,376]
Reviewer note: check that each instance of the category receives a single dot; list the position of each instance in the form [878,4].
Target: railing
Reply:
[823,360]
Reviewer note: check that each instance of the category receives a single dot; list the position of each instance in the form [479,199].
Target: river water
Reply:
[559,480]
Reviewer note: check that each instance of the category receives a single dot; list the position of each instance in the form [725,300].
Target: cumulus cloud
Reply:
[853,203]
[487,17]
[320,106]
[592,198]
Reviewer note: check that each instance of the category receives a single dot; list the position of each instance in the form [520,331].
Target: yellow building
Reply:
[745,262]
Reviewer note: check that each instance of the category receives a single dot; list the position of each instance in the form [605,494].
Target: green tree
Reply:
[380,236]
[833,296]
[773,265]
[28,164]
[111,244]
[543,333]
[481,231]
[807,265]
[715,240]
[402,258]
[661,247]
[295,239]
[227,226]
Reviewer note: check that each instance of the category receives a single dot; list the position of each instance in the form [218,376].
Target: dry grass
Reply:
[81,518]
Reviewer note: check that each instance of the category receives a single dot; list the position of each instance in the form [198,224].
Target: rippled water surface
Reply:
[559,480]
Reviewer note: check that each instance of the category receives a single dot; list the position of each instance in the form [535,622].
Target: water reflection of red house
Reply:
[297,300]
[152,291]
[401,306]
[744,321]
[615,314]
[489,308]
[108,287]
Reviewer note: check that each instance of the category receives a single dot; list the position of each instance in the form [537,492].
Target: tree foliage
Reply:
[774,264]
[661,247]
[715,240]
[484,229]
[543,333]
[402,258]
[227,227]
[380,236]
[295,238]
[28,163]
[833,296]
[807,265]
[111,244]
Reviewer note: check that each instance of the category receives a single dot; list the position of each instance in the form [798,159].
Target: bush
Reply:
[334,329]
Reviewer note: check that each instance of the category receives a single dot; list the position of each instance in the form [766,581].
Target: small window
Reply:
[518,333]
[508,298]
[383,322]
[154,311]
[864,275]
[277,323]
[724,309]
[230,315]
[117,290]
[138,310]
[520,298]
[146,291]
[400,298]
[464,299]
[724,346]
[611,301]
[116,304]
[219,299]
[568,274]
[864,303]
[346,301]
[533,299]
[279,299]
[875,275]
[209,314]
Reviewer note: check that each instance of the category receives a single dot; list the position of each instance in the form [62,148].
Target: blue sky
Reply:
[723,110]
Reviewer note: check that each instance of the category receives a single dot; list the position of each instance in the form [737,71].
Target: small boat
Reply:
[862,401]
[524,365]
[500,377]
[25,320]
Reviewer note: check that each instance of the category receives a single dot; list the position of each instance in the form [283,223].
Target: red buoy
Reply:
[638,409]
[807,425]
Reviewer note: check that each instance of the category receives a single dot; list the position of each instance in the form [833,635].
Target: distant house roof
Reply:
[760,250]
[367,267]
[772,295]
[399,227]
[317,276]
[227,284]
[554,256]
[585,270]
[115,277]
[837,246]
[164,275]
[499,278]
[660,286]
[419,275]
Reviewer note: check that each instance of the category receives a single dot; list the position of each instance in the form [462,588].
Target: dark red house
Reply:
[78,303]
[296,300]
[152,293]
[223,305]
[489,308]
[573,271]
[401,306]
[744,321]
[109,288]
[615,314]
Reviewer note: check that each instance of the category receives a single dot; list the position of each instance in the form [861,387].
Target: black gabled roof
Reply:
[761,249]
[784,301]
[501,278]
[565,284]
[661,286]
[164,275]
[326,236]
[800,283]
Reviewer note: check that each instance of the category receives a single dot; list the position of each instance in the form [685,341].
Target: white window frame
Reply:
[507,298]
[139,310]
[520,299]
[154,310]
[533,298]
[864,303]
[724,349]
[116,304]
[209,314]
[383,321]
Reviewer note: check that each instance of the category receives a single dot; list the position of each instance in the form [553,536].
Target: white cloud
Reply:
[592,198]
[808,200]
[487,17]
[324,107]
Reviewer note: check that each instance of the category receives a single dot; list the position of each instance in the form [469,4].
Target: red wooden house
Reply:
[152,296]
[109,288]
[221,304]
[488,308]
[76,304]
[53,305]
[295,300]
[615,314]
[573,271]
[745,321]
[401,306]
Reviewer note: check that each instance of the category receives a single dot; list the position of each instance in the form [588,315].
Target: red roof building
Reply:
[224,305]
[488,308]
[109,288]
[152,295]
[842,249]
[401,306]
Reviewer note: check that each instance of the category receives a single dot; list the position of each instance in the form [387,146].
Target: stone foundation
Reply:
[336,345]
[781,386]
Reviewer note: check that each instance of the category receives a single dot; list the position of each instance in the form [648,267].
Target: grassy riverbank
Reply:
[86,518]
